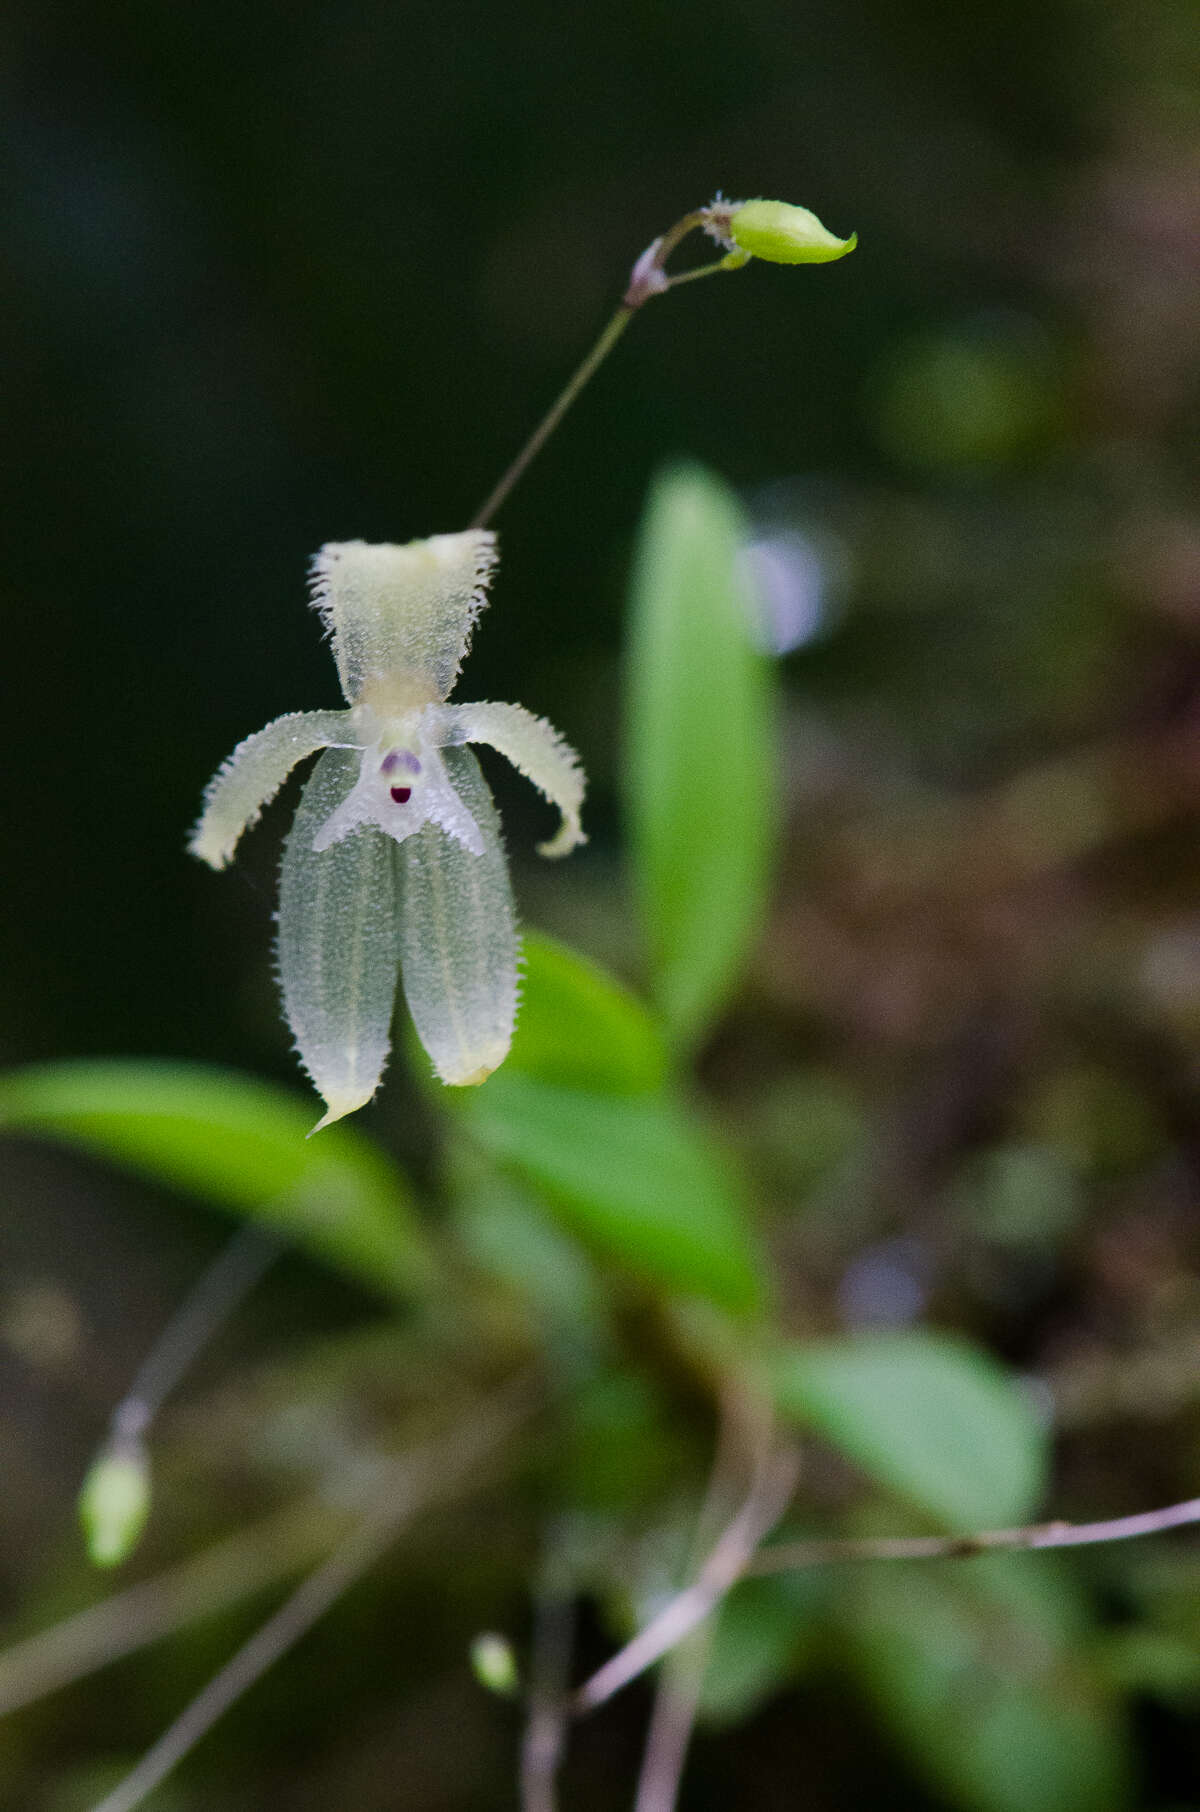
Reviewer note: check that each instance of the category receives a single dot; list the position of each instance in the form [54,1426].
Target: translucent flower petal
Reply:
[445,807]
[400,617]
[253,775]
[458,937]
[537,750]
[338,944]
[400,788]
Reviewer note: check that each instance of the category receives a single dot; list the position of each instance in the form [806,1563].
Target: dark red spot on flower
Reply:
[401,794]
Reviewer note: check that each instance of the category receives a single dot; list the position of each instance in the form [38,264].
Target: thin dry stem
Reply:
[729,1559]
[419,1480]
[240,1264]
[648,278]
[672,1721]
[745,1433]
[546,1726]
[207,1583]
[792,1554]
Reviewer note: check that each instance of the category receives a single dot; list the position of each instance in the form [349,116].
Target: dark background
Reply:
[273,275]
[277,276]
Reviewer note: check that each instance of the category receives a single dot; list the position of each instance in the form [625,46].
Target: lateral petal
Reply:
[537,750]
[338,945]
[458,936]
[249,780]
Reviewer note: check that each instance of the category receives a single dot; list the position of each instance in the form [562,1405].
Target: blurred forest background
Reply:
[275,275]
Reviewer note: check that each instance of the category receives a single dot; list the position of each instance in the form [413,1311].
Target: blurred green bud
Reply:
[494,1664]
[783,234]
[114,1503]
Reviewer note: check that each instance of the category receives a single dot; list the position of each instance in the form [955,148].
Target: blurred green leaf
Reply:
[979,1668]
[982,393]
[235,1142]
[765,1630]
[1154,1665]
[504,1230]
[633,1175]
[700,765]
[1018,1195]
[580,1028]
[1101,1123]
[621,1447]
[933,1419]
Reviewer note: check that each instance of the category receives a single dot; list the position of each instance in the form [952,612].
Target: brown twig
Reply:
[201,1586]
[745,1435]
[729,1559]
[546,1723]
[417,1481]
[789,1555]
[672,1721]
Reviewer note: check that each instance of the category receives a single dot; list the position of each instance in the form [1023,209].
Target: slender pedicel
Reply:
[771,230]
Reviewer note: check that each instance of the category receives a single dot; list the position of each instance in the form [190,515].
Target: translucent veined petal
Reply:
[423,794]
[444,805]
[402,615]
[537,750]
[338,945]
[459,938]
[254,773]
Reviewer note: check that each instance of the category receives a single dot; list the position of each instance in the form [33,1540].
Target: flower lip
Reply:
[396,762]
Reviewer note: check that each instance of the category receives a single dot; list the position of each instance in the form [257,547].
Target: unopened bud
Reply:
[114,1502]
[494,1664]
[783,234]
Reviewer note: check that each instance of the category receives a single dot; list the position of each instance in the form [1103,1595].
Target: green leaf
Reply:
[579,1028]
[764,1632]
[981,1670]
[700,762]
[633,1176]
[237,1143]
[621,1447]
[504,1229]
[930,1417]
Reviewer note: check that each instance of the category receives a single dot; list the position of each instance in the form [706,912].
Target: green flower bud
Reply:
[494,1664]
[114,1503]
[783,234]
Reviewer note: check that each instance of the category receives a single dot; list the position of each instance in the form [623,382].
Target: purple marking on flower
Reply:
[401,794]
[399,758]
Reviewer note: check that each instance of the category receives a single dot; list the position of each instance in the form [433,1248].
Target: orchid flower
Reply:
[394,862]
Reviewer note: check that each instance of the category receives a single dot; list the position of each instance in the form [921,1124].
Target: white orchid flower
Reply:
[395,861]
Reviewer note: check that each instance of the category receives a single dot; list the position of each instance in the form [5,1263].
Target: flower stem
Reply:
[549,422]
[648,278]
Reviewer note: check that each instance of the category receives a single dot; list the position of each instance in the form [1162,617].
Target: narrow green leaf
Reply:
[981,1669]
[930,1417]
[580,1028]
[235,1142]
[633,1176]
[699,767]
